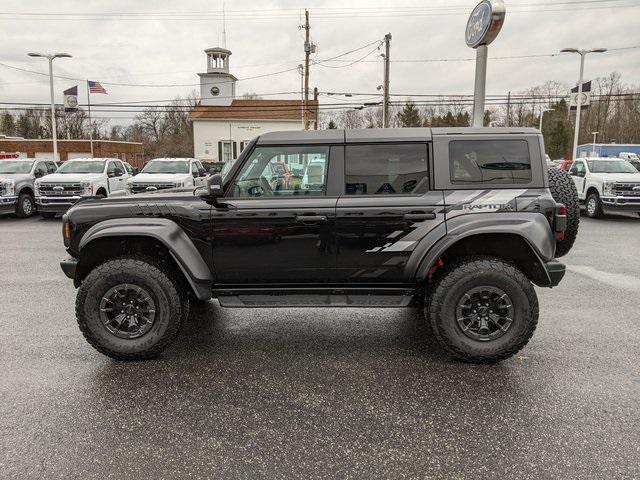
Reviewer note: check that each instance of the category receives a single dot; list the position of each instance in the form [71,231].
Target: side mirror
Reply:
[118,172]
[214,186]
[38,173]
[136,171]
[212,171]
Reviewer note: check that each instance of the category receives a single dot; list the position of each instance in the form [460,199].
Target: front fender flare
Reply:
[167,232]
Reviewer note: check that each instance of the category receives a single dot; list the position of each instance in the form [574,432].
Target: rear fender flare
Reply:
[532,227]
[168,233]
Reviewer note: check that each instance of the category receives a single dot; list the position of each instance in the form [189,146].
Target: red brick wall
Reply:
[130,152]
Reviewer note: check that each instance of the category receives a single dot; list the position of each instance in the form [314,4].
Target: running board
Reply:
[401,298]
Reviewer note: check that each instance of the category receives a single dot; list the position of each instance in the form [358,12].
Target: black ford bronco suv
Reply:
[463,220]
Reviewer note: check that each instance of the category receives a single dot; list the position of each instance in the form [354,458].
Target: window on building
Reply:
[226,150]
[386,169]
[265,174]
[489,162]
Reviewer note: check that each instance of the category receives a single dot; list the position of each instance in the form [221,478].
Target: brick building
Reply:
[131,152]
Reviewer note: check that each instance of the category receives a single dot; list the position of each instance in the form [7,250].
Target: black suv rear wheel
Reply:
[129,309]
[483,310]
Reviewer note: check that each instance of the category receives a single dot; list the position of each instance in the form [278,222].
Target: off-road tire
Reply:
[459,279]
[597,212]
[26,206]
[564,191]
[48,214]
[136,271]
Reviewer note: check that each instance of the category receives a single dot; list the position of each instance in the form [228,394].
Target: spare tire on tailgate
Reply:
[564,191]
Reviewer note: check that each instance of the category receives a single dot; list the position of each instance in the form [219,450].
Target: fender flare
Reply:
[532,227]
[167,232]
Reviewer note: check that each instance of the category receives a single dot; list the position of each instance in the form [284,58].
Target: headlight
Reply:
[87,189]
[8,188]
[607,188]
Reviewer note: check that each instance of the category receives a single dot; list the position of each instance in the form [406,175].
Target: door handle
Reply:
[311,218]
[419,216]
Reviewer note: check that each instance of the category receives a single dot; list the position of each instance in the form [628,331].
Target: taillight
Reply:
[560,221]
[67,230]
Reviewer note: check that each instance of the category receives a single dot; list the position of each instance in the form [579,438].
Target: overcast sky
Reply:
[162,48]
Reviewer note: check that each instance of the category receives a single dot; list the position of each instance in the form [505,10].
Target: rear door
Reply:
[266,230]
[386,209]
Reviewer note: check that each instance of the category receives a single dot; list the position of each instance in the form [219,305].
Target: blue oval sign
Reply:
[484,23]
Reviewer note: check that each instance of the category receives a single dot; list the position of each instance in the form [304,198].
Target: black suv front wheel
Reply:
[129,309]
[483,310]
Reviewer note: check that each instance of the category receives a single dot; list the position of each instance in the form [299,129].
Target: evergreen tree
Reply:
[332,125]
[7,125]
[410,115]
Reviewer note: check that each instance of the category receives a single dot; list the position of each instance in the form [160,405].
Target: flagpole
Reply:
[90,124]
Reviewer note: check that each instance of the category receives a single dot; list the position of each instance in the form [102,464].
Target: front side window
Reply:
[265,174]
[386,169]
[82,166]
[489,162]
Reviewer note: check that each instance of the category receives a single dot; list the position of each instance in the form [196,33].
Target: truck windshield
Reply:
[166,166]
[15,166]
[610,166]
[82,166]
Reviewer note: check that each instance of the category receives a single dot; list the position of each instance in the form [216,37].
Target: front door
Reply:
[578,175]
[385,211]
[273,228]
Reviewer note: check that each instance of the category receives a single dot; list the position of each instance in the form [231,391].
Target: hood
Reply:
[618,177]
[70,177]
[160,177]
[15,176]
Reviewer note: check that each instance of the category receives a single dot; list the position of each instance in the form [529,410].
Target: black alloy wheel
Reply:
[127,311]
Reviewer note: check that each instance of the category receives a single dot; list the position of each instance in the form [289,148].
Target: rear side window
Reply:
[489,162]
[386,169]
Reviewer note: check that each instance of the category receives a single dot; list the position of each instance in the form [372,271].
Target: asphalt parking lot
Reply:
[341,393]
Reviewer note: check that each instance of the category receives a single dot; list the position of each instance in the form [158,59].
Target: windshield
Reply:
[226,168]
[610,166]
[166,166]
[15,166]
[82,166]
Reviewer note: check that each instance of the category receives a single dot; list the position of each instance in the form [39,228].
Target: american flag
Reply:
[95,87]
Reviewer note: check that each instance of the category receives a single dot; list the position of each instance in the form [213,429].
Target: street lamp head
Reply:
[61,55]
[32,54]
[599,50]
[569,50]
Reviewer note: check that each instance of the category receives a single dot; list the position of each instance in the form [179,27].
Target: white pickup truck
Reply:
[77,178]
[165,173]
[606,184]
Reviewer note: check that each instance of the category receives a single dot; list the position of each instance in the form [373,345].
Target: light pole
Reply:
[54,132]
[542,115]
[582,53]
[593,145]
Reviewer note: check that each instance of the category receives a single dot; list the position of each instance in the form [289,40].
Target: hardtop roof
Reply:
[368,135]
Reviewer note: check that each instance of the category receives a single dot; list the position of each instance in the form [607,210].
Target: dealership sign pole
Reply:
[483,27]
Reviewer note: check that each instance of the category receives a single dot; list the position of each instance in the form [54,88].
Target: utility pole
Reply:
[307,53]
[508,109]
[385,101]
[315,102]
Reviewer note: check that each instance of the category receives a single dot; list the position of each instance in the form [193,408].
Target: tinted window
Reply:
[265,173]
[489,162]
[386,169]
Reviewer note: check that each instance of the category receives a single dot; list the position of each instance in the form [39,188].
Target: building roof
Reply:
[254,110]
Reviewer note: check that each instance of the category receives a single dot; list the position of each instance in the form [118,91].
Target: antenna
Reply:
[224,27]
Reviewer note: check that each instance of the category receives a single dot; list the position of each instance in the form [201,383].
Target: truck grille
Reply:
[627,189]
[142,187]
[2,189]
[62,189]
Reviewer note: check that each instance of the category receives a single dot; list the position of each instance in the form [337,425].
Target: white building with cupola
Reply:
[223,124]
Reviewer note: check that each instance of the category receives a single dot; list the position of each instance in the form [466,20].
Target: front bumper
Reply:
[555,271]
[56,204]
[621,203]
[8,204]
[69,267]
